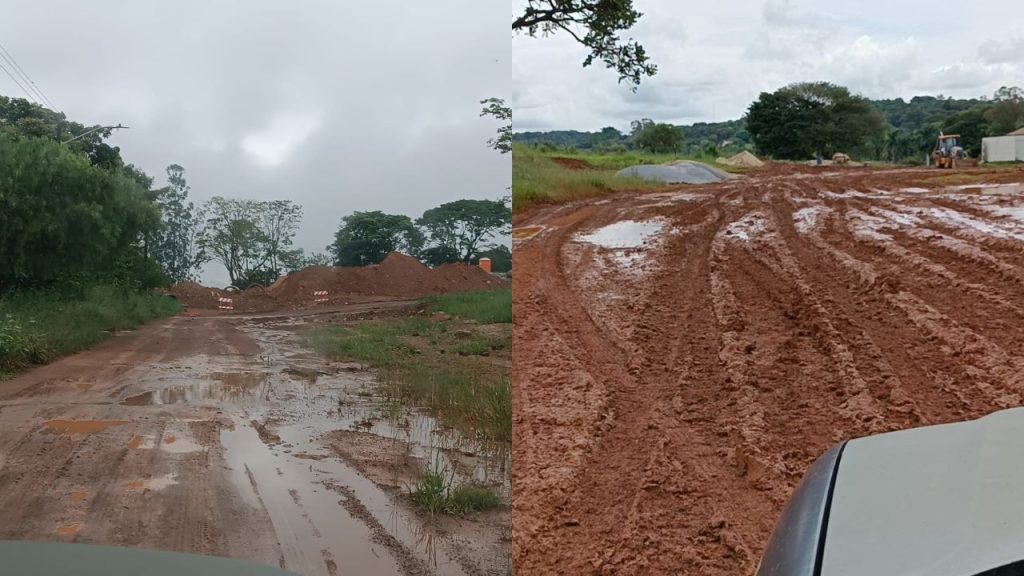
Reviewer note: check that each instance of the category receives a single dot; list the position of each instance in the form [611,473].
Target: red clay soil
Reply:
[572,163]
[668,398]
[397,277]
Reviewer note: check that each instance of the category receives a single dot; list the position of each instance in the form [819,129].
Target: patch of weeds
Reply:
[487,307]
[39,327]
[436,493]
[474,347]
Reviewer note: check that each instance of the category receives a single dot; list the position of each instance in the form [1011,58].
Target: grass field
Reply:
[39,327]
[538,178]
[451,367]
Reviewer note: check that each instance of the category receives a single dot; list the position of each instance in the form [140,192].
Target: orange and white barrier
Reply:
[320,296]
[225,304]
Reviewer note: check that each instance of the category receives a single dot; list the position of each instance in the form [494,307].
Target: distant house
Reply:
[1009,148]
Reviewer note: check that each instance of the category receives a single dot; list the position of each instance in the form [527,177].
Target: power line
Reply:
[27,93]
[25,75]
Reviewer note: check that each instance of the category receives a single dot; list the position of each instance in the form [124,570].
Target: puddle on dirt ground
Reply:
[154,484]
[221,386]
[990,189]
[1015,212]
[624,234]
[306,515]
[525,232]
[82,426]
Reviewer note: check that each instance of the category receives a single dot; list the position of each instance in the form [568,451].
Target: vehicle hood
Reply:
[943,500]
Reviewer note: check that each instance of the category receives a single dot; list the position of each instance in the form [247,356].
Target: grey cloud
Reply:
[378,101]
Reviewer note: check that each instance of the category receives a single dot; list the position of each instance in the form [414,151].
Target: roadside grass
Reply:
[437,364]
[39,327]
[538,179]
[437,494]
[489,307]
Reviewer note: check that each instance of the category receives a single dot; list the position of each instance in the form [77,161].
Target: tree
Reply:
[21,117]
[496,107]
[64,221]
[1007,111]
[657,138]
[500,255]
[368,237]
[595,24]
[801,120]
[251,242]
[174,245]
[457,228]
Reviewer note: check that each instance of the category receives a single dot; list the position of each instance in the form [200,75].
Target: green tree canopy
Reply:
[368,237]
[496,107]
[456,229]
[174,245]
[64,219]
[252,239]
[1007,112]
[800,120]
[656,138]
[595,24]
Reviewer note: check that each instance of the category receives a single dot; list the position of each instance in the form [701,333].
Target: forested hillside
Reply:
[908,133]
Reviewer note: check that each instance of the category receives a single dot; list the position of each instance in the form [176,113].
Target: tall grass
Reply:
[536,179]
[490,307]
[437,494]
[421,361]
[39,327]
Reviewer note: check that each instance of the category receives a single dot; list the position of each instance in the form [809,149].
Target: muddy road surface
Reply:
[681,357]
[214,435]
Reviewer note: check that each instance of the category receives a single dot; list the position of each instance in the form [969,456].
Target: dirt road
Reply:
[210,435]
[682,357]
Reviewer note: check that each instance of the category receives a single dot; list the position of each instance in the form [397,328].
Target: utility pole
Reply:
[87,132]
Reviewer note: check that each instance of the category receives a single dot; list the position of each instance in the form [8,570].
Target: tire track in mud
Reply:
[752,345]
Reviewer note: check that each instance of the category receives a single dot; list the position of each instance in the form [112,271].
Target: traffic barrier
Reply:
[320,296]
[225,304]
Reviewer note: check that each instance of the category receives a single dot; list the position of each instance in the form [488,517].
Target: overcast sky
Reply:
[715,58]
[339,106]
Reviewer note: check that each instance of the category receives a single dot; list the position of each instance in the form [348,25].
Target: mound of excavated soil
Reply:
[571,163]
[742,160]
[398,276]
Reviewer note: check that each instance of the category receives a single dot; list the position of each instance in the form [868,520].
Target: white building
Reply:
[1009,148]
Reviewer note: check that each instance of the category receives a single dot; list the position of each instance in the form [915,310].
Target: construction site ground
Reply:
[225,435]
[682,356]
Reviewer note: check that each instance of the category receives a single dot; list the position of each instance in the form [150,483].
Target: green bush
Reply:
[437,494]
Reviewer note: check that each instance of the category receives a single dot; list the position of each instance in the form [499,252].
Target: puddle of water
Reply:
[914,190]
[82,426]
[994,189]
[806,219]
[176,445]
[224,387]
[747,227]
[154,484]
[525,232]
[624,234]
[1015,212]
[311,520]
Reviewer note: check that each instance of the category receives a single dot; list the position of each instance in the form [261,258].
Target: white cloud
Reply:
[277,141]
[713,62]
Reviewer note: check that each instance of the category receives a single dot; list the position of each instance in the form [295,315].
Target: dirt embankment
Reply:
[693,351]
[398,276]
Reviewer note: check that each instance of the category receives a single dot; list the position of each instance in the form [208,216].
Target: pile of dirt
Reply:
[572,163]
[742,160]
[398,276]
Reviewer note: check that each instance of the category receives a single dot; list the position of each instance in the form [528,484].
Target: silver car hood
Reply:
[942,500]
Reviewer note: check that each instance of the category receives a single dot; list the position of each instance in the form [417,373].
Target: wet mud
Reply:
[696,372]
[214,436]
